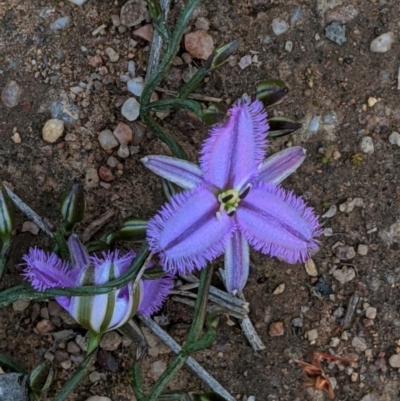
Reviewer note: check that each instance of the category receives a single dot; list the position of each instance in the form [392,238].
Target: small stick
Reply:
[95,225]
[24,208]
[351,307]
[191,362]
[193,96]
[156,45]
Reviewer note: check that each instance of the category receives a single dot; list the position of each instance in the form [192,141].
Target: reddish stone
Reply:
[105,174]
[199,44]
[145,32]
[95,61]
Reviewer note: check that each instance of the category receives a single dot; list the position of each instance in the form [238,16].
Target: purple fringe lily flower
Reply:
[97,313]
[232,200]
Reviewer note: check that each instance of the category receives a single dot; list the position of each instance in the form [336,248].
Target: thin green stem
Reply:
[193,83]
[192,339]
[200,308]
[137,385]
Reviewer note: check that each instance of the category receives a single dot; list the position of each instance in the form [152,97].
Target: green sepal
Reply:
[214,113]
[153,273]
[280,126]
[222,54]
[131,230]
[40,378]
[72,205]
[7,217]
[271,91]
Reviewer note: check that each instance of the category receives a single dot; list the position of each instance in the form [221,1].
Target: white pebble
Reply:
[362,249]
[382,43]
[112,54]
[330,213]
[130,109]
[78,2]
[60,23]
[279,26]
[370,313]
[394,138]
[107,140]
[123,151]
[314,124]
[52,130]
[312,334]
[289,46]
[136,86]
[245,61]
[131,68]
[367,145]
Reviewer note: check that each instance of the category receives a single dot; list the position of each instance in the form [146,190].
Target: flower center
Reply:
[229,201]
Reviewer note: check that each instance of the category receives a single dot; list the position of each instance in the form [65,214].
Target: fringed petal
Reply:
[278,223]
[154,293]
[103,264]
[79,254]
[189,231]
[237,261]
[280,165]
[234,150]
[181,172]
[46,270]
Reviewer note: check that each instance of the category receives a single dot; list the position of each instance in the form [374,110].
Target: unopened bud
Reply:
[214,113]
[222,53]
[271,91]
[131,230]
[41,378]
[7,221]
[73,204]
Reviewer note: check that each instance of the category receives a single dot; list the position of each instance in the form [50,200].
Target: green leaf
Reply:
[222,53]
[72,204]
[271,91]
[41,378]
[162,105]
[280,126]
[131,230]
[154,273]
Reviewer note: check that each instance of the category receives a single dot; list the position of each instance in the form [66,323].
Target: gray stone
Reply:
[110,341]
[279,26]
[394,138]
[133,12]
[11,94]
[367,145]
[336,32]
[359,344]
[136,86]
[107,140]
[65,111]
[60,23]
[21,304]
[344,275]
[345,252]
[394,361]
[112,54]
[130,109]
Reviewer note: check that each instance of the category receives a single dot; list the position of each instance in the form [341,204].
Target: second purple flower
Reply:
[232,200]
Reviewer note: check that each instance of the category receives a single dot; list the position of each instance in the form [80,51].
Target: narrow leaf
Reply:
[280,126]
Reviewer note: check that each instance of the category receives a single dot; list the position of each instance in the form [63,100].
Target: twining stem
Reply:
[192,343]
[158,76]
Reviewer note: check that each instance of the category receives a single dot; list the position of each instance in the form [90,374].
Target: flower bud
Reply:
[73,204]
[7,223]
[222,53]
[131,230]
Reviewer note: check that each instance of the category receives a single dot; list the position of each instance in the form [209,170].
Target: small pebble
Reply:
[245,62]
[66,364]
[95,376]
[341,13]
[345,252]
[110,341]
[297,322]
[16,138]
[382,43]
[91,178]
[334,342]
[112,54]
[362,249]
[330,213]
[133,12]
[312,334]
[158,369]
[123,133]
[112,161]
[278,290]
[95,61]
[372,101]
[105,174]
[289,46]
[145,32]
[344,275]
[131,68]
[21,304]
[394,361]
[130,109]
[73,347]
[107,140]
[136,86]
[359,344]
[60,23]
[199,44]
[116,21]
[336,32]
[97,398]
[394,138]
[45,326]
[11,94]
[370,313]
[276,329]
[314,124]
[367,145]
[311,269]
[52,130]
[123,151]
[279,26]
[31,227]
[65,111]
